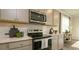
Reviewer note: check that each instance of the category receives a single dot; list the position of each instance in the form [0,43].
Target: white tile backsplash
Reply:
[6,29]
[46,29]
[35,26]
[23,30]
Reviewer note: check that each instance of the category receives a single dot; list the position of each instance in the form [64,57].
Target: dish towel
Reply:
[46,43]
[43,44]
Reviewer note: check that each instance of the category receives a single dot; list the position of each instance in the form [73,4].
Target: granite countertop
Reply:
[8,40]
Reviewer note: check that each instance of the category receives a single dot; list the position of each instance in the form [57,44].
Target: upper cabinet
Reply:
[56,21]
[49,14]
[15,15]
[56,17]
[23,15]
[8,14]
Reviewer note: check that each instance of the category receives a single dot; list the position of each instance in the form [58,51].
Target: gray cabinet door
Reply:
[57,20]
[61,42]
[56,17]
[3,46]
[23,15]
[24,48]
[8,14]
[55,42]
[49,14]
[20,44]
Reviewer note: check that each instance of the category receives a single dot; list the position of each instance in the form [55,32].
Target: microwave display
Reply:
[38,17]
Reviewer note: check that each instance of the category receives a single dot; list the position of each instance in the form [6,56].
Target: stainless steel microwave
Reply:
[37,17]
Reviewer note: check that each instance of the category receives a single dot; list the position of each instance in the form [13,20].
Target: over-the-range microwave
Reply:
[37,17]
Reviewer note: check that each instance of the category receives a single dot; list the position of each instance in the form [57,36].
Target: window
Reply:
[64,23]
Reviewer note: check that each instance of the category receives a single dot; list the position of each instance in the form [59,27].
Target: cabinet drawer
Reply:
[20,44]
[24,48]
[3,46]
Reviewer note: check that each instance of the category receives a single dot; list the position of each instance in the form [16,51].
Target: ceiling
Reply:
[72,12]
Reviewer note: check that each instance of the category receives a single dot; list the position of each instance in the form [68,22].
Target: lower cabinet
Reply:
[24,48]
[57,42]
[20,45]
[4,47]
[61,42]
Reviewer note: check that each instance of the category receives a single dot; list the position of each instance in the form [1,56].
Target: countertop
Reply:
[8,40]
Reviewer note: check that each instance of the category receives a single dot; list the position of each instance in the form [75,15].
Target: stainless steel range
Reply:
[40,41]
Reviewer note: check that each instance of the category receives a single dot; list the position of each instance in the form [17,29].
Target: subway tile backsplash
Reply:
[46,29]
[6,29]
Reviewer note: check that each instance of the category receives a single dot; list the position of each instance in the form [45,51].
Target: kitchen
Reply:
[32,29]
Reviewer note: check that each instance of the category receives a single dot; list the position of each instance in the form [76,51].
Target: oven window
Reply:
[50,44]
[37,45]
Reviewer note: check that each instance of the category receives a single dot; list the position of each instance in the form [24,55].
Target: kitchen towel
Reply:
[46,43]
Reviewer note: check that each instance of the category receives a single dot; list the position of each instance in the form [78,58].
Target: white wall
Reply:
[75,27]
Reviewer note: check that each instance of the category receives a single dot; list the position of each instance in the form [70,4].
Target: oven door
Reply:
[42,44]
[47,43]
[37,44]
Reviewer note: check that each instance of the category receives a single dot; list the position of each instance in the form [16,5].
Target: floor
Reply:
[72,45]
